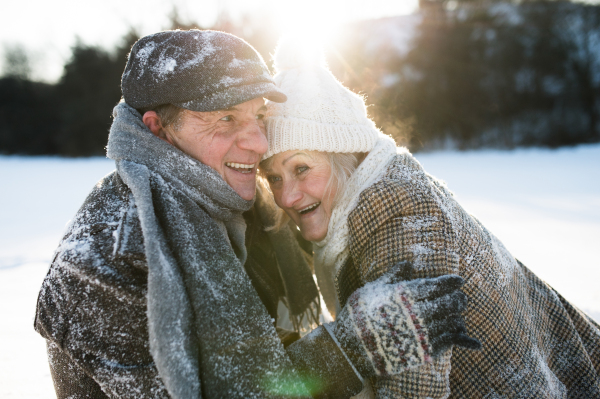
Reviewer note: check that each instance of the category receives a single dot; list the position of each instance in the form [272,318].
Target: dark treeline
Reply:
[493,74]
[71,117]
[471,74]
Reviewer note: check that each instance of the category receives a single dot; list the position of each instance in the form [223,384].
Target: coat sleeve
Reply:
[397,221]
[92,312]
[70,380]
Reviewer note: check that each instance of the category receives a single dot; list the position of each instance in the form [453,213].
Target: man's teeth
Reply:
[239,165]
[309,208]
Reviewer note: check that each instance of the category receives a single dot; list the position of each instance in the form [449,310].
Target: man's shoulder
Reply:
[105,198]
[103,205]
[104,232]
[100,258]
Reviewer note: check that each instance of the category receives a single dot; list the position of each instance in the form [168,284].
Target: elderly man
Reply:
[147,296]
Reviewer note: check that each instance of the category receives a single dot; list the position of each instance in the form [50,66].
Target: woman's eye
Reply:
[227,118]
[260,117]
[273,179]
[301,169]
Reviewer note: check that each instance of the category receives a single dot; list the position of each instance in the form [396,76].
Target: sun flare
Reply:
[312,19]
[318,21]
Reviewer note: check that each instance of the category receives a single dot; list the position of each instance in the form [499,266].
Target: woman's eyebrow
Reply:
[291,156]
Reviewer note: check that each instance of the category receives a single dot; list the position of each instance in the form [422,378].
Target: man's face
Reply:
[230,141]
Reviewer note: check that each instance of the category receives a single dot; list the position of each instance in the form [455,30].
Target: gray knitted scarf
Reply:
[205,320]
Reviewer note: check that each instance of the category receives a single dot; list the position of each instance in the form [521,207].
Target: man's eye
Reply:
[227,118]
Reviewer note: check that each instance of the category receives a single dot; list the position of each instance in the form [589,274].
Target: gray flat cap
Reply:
[196,70]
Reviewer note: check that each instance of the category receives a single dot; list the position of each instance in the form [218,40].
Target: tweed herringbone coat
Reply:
[535,344]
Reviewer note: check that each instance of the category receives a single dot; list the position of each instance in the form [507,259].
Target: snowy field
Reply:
[544,205]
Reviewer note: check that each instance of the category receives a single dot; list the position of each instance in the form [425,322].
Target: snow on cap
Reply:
[196,70]
[320,113]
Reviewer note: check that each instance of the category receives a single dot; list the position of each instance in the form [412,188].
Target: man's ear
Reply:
[152,121]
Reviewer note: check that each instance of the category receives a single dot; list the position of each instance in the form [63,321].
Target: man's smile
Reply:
[240,167]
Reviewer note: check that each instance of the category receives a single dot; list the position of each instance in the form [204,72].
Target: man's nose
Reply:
[253,138]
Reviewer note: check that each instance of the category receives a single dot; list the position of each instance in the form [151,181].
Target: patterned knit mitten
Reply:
[387,327]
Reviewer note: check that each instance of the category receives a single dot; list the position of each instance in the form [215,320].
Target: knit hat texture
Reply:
[320,114]
[196,70]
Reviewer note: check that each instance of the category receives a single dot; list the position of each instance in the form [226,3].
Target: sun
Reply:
[318,21]
[313,19]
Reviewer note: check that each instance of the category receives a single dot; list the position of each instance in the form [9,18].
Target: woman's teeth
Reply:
[246,168]
[309,208]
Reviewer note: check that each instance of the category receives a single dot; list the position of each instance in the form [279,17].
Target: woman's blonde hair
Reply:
[342,166]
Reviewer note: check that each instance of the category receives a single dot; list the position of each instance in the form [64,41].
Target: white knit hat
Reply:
[320,114]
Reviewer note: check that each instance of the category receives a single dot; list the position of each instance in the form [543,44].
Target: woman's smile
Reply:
[309,209]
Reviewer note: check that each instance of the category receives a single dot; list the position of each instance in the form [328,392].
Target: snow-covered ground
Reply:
[544,205]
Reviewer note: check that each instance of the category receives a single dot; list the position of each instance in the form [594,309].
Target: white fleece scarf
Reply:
[331,252]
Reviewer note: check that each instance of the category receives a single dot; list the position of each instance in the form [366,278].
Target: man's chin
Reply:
[245,191]
[243,184]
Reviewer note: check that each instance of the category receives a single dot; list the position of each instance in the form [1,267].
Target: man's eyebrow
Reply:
[292,156]
[234,108]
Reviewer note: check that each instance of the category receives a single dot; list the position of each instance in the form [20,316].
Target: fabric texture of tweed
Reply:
[534,343]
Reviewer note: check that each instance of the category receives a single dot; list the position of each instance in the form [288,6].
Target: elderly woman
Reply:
[367,206]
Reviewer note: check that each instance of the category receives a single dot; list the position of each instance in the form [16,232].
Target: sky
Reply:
[48,29]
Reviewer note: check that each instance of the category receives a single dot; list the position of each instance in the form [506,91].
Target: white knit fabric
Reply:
[332,251]
[320,114]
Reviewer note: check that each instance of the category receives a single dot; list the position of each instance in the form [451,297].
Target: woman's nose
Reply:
[290,195]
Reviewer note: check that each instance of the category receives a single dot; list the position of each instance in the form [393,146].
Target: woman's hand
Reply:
[390,325]
[385,328]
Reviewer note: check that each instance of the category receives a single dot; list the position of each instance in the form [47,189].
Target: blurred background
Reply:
[501,99]
[439,74]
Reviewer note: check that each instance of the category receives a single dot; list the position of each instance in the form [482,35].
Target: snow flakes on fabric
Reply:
[207,50]
[194,234]
[199,70]
[165,66]
[387,328]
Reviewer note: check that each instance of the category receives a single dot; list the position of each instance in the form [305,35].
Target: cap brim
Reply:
[233,96]
[276,96]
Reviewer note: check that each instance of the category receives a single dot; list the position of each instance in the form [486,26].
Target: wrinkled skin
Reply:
[230,141]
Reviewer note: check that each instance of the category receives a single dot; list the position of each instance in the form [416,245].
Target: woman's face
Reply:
[299,180]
